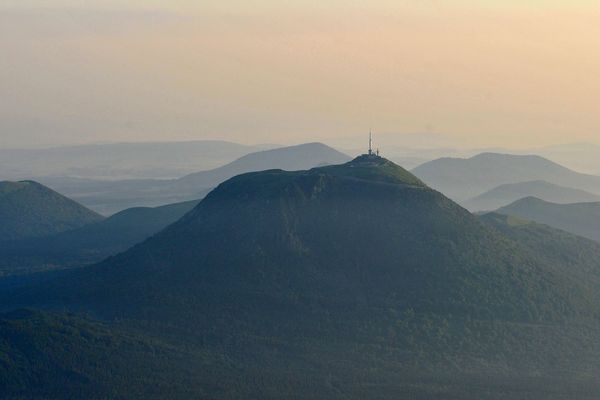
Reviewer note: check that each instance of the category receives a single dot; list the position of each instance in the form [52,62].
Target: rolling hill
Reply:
[463,179]
[581,219]
[29,209]
[109,197]
[291,158]
[509,193]
[349,281]
[90,243]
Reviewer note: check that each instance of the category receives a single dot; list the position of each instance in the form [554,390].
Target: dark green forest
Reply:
[90,243]
[342,282]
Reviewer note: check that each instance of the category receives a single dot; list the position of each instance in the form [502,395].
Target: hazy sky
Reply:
[481,73]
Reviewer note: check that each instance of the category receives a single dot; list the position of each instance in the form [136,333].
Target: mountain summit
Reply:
[365,234]
[373,168]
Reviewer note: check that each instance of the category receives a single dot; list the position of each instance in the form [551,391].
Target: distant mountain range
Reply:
[350,281]
[463,179]
[580,157]
[108,197]
[506,194]
[121,160]
[580,218]
[29,209]
[90,243]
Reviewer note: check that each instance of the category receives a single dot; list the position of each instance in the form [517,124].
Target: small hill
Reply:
[29,209]
[509,193]
[90,243]
[462,179]
[581,219]
[291,158]
[350,281]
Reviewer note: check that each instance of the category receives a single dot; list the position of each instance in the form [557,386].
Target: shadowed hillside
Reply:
[28,209]
[90,243]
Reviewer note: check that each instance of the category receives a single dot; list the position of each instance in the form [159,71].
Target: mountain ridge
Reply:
[114,196]
[312,154]
[462,179]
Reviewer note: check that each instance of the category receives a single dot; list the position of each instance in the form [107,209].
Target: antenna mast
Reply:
[370,143]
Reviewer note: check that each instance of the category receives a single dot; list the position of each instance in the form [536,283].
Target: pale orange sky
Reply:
[485,73]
